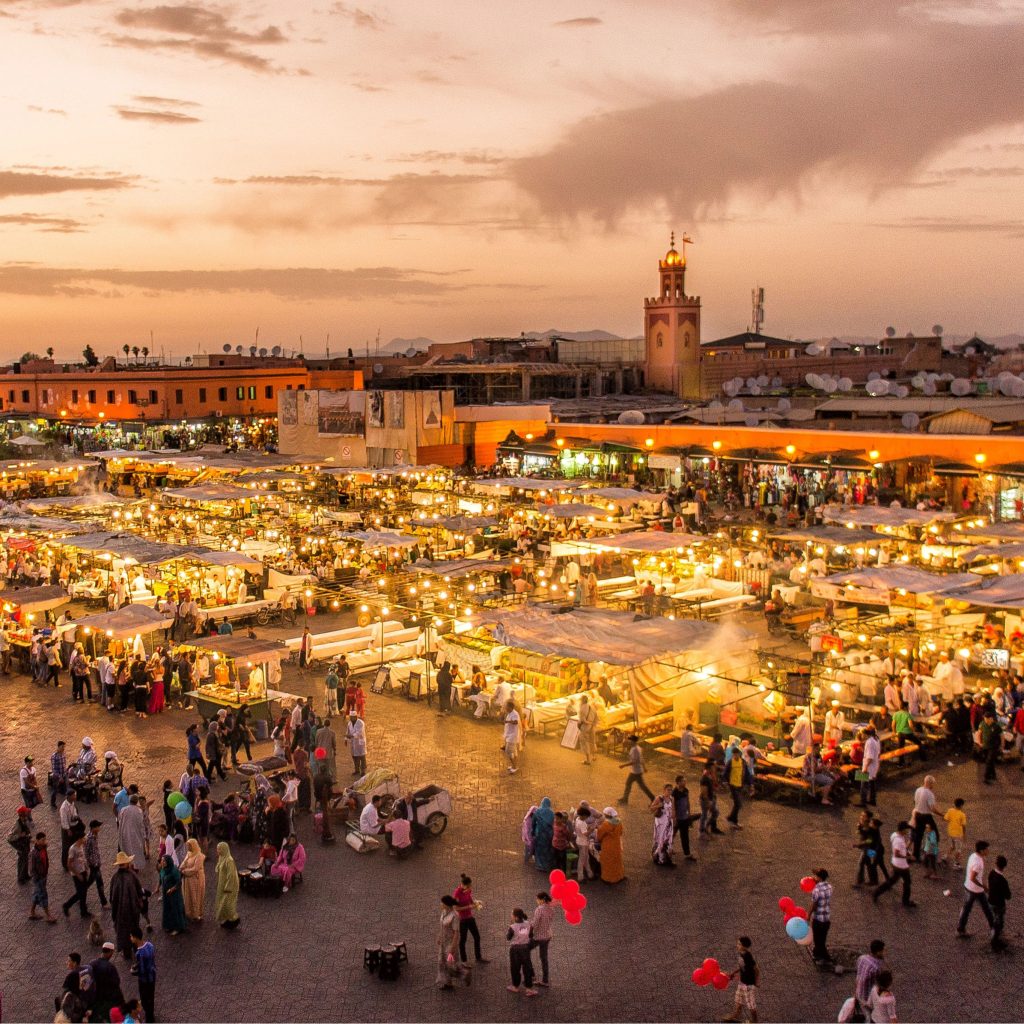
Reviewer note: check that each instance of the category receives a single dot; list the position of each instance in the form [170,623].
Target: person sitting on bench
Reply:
[813,771]
[369,819]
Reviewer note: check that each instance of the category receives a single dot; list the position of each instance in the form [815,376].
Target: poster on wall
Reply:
[342,412]
[375,409]
[432,409]
[288,408]
[307,408]
[395,410]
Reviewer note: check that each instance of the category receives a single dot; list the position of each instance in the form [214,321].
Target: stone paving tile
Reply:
[300,957]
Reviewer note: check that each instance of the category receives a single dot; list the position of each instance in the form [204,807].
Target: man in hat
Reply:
[38,871]
[92,860]
[20,837]
[87,756]
[107,983]
[29,783]
[126,902]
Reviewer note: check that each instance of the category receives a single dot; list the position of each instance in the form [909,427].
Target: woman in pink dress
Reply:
[290,861]
[156,687]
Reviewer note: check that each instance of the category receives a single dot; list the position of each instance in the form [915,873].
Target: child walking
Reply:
[956,829]
[930,850]
[520,961]
[749,975]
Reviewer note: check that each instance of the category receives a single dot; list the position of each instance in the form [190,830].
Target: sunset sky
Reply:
[453,169]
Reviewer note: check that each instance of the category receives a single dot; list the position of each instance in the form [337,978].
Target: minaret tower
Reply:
[672,329]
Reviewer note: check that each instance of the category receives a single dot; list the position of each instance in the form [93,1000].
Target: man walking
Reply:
[78,868]
[998,895]
[635,764]
[145,969]
[587,717]
[20,837]
[93,861]
[734,774]
[821,916]
[58,773]
[869,966]
[70,825]
[682,814]
[331,684]
[510,737]
[38,870]
[991,741]
[977,890]
[900,866]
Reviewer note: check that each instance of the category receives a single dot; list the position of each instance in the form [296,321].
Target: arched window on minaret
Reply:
[660,339]
[679,287]
[686,339]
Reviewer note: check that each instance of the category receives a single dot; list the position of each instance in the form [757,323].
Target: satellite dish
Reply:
[410,351]
[874,375]
[776,382]
[750,421]
[784,405]
[729,387]
[736,405]
[845,384]
[276,350]
[960,387]
[378,369]
[814,380]
[762,380]
[877,388]
[902,391]
[756,389]
[633,417]
[911,420]
[937,330]
[929,388]
[830,385]
[917,381]
[238,349]
[1017,390]
[263,353]
[751,382]
[814,349]
[227,348]
[890,332]
[715,405]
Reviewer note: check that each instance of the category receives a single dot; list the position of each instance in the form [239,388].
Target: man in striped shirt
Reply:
[869,965]
[58,773]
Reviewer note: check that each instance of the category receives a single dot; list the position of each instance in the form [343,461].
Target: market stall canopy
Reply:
[120,453]
[954,469]
[992,551]
[463,524]
[1006,592]
[25,441]
[765,456]
[235,559]
[1009,469]
[877,515]
[836,460]
[571,511]
[647,541]
[72,502]
[832,535]
[993,531]
[209,492]
[241,648]
[622,495]
[616,638]
[523,483]
[899,578]
[11,520]
[128,621]
[380,538]
[458,567]
[35,599]
[130,547]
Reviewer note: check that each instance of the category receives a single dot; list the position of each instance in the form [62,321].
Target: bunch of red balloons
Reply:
[567,892]
[710,973]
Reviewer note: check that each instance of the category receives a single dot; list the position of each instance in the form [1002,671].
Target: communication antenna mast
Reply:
[757,309]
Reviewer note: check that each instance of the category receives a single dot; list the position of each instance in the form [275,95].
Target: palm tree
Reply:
[49,352]
[135,352]
[125,349]
[145,353]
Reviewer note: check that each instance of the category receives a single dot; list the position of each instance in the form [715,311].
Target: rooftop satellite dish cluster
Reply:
[827,383]
[631,417]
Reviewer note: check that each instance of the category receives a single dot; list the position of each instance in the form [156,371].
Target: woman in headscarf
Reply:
[444,687]
[449,965]
[543,831]
[179,849]
[173,902]
[609,835]
[227,888]
[278,825]
[193,880]
[290,861]
[662,807]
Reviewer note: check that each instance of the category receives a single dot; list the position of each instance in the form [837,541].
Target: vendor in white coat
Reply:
[355,738]
[834,722]
[949,677]
[801,736]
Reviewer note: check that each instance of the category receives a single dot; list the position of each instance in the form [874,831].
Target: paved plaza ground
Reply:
[300,957]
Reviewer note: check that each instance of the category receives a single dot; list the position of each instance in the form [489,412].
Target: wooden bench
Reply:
[661,738]
[900,752]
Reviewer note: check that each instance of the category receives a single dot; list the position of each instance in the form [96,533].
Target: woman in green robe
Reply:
[173,899]
[227,888]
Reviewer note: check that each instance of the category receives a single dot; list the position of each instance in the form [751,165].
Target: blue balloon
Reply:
[183,810]
[796,927]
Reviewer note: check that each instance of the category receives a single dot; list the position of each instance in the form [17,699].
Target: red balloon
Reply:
[572,885]
[573,917]
[720,981]
[571,901]
[581,900]
[785,904]
[788,916]
[699,977]
[799,912]
[556,876]
[807,883]
[558,891]
[320,753]
[710,967]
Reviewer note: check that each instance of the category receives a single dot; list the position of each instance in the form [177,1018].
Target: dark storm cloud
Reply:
[28,183]
[285,283]
[873,111]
